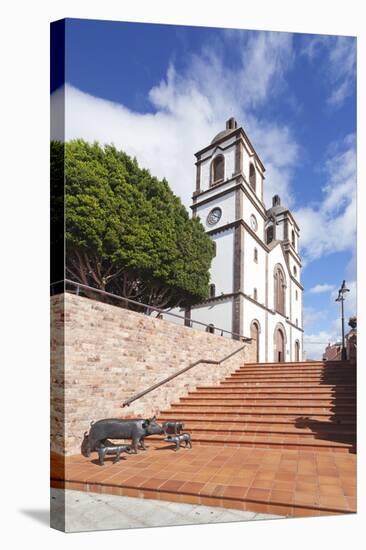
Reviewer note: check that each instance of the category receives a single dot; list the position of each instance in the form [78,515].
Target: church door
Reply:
[279,346]
[297,351]
[254,334]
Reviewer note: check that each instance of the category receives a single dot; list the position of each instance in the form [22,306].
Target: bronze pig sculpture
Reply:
[115,428]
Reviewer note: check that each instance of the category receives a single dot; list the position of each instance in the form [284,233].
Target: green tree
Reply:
[126,232]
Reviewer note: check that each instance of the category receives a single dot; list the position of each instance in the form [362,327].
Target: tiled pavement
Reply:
[282,482]
[271,438]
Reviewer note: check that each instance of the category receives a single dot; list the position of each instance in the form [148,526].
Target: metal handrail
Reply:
[162,382]
[153,308]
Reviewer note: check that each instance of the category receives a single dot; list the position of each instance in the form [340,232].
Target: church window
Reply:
[214,249]
[210,328]
[217,169]
[255,294]
[256,255]
[296,294]
[293,238]
[270,234]
[279,291]
[252,177]
[212,291]
[295,270]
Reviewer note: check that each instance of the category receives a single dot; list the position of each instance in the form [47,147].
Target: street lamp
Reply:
[341,292]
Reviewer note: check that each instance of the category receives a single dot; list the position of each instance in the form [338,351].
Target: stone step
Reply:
[268,441]
[233,399]
[272,392]
[302,409]
[292,374]
[289,430]
[252,422]
[177,412]
[319,368]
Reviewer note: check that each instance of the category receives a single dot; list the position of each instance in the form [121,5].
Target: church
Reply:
[255,288]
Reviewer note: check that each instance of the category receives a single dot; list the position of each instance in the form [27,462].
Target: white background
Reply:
[25,259]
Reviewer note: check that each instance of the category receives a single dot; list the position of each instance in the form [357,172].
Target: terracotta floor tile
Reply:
[233,491]
[284,497]
[258,494]
[191,487]
[331,490]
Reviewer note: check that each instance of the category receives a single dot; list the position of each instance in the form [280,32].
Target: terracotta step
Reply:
[297,369]
[266,400]
[302,410]
[293,414]
[271,392]
[268,441]
[289,430]
[253,422]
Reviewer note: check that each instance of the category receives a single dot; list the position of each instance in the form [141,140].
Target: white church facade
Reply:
[255,288]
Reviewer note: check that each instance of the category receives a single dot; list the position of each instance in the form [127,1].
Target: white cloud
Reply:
[311,315]
[315,344]
[331,225]
[191,107]
[318,289]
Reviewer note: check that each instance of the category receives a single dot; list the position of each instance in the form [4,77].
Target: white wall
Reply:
[217,313]
[247,159]
[227,205]
[250,210]
[221,273]
[253,312]
[254,273]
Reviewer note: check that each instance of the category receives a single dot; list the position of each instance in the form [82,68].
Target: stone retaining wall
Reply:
[101,355]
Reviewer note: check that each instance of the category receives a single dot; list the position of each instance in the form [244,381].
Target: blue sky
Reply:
[161,92]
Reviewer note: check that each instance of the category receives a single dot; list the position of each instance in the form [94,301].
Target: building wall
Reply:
[219,313]
[251,210]
[205,165]
[101,355]
[221,273]
[254,273]
[253,312]
[227,205]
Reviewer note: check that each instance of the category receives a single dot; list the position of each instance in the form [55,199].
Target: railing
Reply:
[123,302]
[178,373]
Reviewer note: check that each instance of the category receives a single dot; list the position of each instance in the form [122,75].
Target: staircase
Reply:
[303,406]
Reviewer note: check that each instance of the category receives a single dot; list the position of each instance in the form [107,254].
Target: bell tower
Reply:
[228,200]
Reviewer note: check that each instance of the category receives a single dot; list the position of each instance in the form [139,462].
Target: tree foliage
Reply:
[126,231]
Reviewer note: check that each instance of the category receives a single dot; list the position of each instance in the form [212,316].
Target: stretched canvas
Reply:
[203,275]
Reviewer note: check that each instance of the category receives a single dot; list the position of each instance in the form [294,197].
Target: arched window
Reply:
[279,290]
[214,249]
[295,270]
[212,291]
[210,328]
[297,350]
[217,169]
[255,294]
[256,255]
[296,294]
[252,180]
[254,334]
[269,234]
[293,238]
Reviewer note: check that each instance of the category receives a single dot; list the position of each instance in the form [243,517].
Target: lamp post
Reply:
[341,292]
